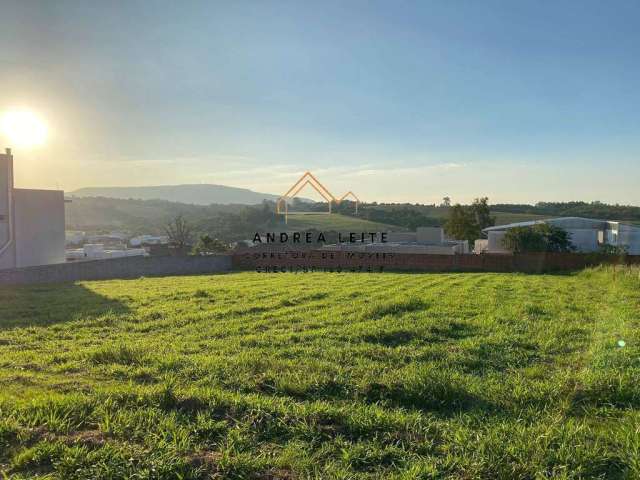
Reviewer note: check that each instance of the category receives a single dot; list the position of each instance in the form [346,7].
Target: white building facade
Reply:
[586,234]
[31,222]
[91,251]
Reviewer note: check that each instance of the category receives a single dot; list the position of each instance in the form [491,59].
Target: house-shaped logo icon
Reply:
[282,205]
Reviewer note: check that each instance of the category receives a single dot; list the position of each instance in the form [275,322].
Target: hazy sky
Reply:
[399,101]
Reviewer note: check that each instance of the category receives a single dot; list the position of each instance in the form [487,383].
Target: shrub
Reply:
[541,237]
[209,246]
[619,250]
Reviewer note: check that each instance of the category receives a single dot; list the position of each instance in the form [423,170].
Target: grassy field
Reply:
[399,376]
[337,222]
[503,218]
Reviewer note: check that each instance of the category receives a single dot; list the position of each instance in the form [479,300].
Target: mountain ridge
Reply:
[196,194]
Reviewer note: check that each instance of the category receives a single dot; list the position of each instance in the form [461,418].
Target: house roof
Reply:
[565,222]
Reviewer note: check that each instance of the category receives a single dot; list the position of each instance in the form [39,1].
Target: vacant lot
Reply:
[323,376]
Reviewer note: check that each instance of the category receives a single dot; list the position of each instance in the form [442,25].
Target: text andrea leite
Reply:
[319,237]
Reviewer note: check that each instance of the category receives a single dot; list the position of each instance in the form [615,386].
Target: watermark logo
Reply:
[282,205]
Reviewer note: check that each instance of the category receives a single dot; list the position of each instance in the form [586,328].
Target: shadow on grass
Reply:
[435,333]
[454,331]
[444,394]
[606,389]
[553,273]
[444,397]
[39,305]
[492,356]
[390,339]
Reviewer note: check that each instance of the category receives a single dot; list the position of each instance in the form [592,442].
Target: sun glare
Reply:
[23,128]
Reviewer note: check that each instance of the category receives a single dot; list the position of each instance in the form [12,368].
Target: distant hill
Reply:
[191,194]
[102,214]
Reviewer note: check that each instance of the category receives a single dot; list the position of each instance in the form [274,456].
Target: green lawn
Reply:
[323,376]
[337,222]
[504,218]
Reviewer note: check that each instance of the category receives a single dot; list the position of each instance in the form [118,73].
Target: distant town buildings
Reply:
[81,246]
[72,237]
[92,251]
[31,222]
[143,240]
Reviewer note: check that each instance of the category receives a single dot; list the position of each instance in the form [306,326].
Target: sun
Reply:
[23,128]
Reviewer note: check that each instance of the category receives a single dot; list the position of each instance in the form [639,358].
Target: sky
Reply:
[398,101]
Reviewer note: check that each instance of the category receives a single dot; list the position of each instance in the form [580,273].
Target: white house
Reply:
[31,222]
[141,240]
[92,251]
[587,234]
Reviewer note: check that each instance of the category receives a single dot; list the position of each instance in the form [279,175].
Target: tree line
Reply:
[594,209]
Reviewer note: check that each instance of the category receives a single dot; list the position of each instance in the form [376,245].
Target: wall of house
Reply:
[7,251]
[31,222]
[481,246]
[39,227]
[585,240]
[401,237]
[495,242]
[630,236]
[8,257]
[429,235]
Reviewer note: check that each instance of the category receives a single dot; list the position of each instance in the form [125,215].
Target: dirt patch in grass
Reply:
[93,438]
[277,474]
[206,460]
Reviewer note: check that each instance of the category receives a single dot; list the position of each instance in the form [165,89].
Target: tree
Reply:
[446,202]
[462,224]
[524,239]
[466,222]
[618,250]
[541,237]
[179,233]
[482,213]
[556,238]
[209,246]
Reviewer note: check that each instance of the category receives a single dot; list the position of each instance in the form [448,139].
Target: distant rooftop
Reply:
[565,222]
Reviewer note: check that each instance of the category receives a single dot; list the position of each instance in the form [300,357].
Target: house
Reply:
[73,237]
[145,240]
[31,222]
[586,234]
[93,251]
[112,239]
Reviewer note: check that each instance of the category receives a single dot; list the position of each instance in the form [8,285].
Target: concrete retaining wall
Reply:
[131,267]
[379,261]
[134,267]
